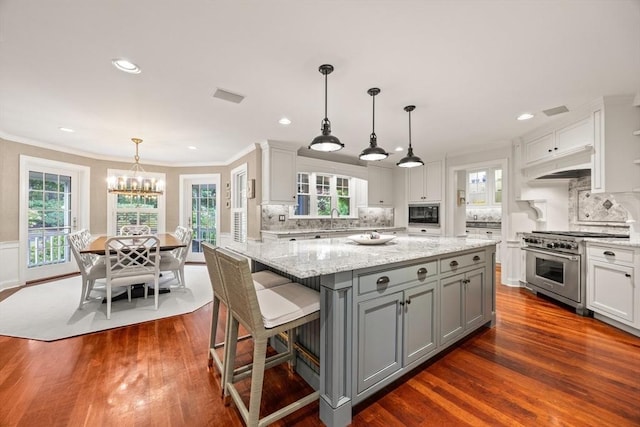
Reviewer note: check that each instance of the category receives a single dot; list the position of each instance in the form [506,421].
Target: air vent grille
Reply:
[556,110]
[228,96]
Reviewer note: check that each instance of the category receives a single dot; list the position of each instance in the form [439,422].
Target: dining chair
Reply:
[135,230]
[132,260]
[261,280]
[265,313]
[173,261]
[92,267]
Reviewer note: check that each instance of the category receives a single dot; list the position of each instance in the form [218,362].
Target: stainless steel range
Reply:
[556,265]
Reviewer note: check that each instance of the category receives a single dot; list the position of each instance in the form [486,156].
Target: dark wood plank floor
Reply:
[541,365]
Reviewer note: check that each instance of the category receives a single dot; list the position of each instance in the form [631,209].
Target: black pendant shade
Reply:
[373,152]
[326,141]
[410,160]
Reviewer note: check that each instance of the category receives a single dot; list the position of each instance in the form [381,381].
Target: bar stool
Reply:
[264,314]
[261,280]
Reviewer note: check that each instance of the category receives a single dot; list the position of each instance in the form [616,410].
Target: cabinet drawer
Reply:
[381,280]
[613,254]
[456,263]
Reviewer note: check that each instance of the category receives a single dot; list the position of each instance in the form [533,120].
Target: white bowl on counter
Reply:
[368,239]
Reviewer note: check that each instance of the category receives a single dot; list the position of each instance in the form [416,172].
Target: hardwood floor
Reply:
[541,365]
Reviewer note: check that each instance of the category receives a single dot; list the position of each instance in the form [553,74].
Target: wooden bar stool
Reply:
[261,280]
[264,314]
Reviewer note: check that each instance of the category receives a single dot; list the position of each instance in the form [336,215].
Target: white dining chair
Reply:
[92,267]
[132,260]
[135,230]
[173,261]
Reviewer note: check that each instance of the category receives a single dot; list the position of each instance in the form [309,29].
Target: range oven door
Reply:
[555,273]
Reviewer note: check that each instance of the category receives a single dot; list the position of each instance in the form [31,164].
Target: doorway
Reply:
[54,202]
[200,201]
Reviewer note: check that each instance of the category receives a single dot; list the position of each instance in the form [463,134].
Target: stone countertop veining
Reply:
[331,230]
[616,242]
[316,257]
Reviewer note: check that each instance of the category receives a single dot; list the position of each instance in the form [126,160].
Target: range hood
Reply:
[566,174]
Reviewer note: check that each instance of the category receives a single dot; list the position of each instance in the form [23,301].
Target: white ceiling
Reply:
[470,67]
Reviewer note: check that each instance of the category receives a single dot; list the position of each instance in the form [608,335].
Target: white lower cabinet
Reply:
[611,285]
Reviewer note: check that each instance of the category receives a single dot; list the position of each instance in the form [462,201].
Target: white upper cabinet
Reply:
[425,182]
[565,140]
[278,173]
[380,186]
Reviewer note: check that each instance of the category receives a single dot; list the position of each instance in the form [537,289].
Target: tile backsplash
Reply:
[597,212]
[367,217]
[489,214]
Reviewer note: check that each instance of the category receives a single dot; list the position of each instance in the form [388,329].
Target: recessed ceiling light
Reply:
[126,66]
[399,148]
[192,147]
[525,116]
[63,129]
[284,121]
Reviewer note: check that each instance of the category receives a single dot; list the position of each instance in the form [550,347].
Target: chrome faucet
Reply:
[337,215]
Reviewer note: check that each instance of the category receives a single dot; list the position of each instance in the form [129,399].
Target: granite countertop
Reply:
[298,231]
[616,242]
[316,257]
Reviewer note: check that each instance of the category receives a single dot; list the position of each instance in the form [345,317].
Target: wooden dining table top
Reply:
[168,242]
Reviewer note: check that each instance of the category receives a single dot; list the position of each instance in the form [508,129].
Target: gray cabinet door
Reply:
[474,298]
[379,339]
[420,321]
[451,309]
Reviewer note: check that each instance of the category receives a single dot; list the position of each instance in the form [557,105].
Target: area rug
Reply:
[50,311]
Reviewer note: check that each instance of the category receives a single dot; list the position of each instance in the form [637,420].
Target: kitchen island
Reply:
[385,309]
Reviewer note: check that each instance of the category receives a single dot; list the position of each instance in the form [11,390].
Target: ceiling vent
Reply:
[556,110]
[228,96]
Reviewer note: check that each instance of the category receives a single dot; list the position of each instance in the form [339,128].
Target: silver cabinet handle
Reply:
[609,253]
[422,271]
[382,280]
[453,264]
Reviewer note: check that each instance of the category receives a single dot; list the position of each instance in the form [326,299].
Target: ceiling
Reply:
[470,67]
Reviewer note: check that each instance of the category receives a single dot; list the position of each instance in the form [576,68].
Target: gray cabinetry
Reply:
[396,321]
[379,339]
[462,295]
[419,321]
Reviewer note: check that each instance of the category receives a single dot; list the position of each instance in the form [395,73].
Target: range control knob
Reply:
[550,245]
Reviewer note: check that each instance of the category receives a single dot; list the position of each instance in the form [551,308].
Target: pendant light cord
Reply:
[409,129]
[373,127]
[325,97]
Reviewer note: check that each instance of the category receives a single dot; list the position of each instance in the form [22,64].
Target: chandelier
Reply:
[135,183]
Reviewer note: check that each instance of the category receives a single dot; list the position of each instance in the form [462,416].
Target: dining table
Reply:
[167,242]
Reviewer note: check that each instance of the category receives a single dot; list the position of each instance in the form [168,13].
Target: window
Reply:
[49,218]
[484,187]
[137,210]
[497,194]
[331,192]
[128,209]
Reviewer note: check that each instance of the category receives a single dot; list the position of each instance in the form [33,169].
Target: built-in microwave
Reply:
[424,215]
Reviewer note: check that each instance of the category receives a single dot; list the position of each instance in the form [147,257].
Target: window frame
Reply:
[333,194]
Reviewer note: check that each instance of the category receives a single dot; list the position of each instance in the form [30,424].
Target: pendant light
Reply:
[326,141]
[373,152]
[410,161]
